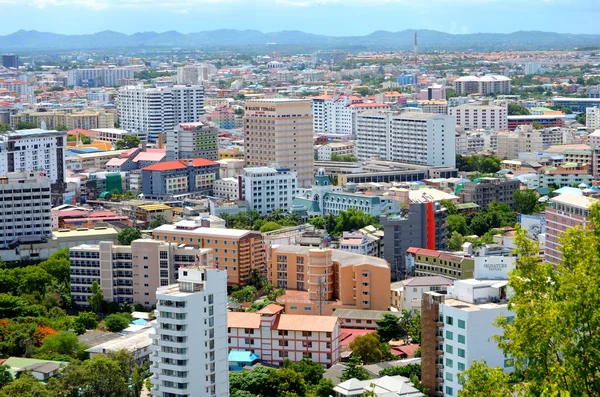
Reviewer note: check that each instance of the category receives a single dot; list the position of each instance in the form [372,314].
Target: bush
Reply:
[117,322]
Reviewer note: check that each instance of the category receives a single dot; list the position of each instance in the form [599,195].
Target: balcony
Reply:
[439,352]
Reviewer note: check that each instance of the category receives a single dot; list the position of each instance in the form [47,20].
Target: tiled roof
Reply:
[297,322]
[271,309]
[150,156]
[179,164]
[243,320]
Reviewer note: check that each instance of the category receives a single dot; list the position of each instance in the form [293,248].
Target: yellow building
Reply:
[86,119]
[236,251]
[150,212]
[319,281]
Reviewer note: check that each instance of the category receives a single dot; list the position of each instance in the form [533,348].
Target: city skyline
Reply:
[329,17]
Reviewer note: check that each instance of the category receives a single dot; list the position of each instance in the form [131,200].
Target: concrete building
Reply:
[34,150]
[236,251]
[189,345]
[408,137]
[192,140]
[469,142]
[423,225]
[363,242]
[98,77]
[128,273]
[592,118]
[434,106]
[10,61]
[108,134]
[152,111]
[26,205]
[562,213]
[486,117]
[457,329]
[179,178]
[325,152]
[486,85]
[532,68]
[268,188]
[525,139]
[336,114]
[279,131]
[545,120]
[274,337]
[86,119]
[319,281]
[489,189]
[577,105]
[408,294]
[193,75]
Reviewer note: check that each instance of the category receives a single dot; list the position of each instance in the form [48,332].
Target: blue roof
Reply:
[85,150]
[570,190]
[139,321]
[242,356]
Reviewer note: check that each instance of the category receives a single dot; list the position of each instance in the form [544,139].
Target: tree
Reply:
[414,328]
[57,265]
[87,320]
[455,242]
[4,127]
[514,109]
[62,346]
[24,125]
[25,386]
[403,370]
[246,294]
[269,227]
[99,377]
[450,206]
[286,382]
[5,376]
[95,301]
[117,322]
[127,235]
[325,388]
[156,222]
[367,348]
[60,128]
[128,142]
[388,328]
[311,371]
[537,126]
[355,370]
[480,380]
[457,223]
[525,201]
[255,381]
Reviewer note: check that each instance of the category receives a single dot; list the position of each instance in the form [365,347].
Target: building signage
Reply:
[261,108]
[495,266]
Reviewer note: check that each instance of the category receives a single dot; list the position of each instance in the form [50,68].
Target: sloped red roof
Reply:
[179,164]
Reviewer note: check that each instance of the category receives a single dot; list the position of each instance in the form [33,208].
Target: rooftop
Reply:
[297,322]
[574,200]
[180,164]
[343,257]
[243,320]
[202,231]
[130,342]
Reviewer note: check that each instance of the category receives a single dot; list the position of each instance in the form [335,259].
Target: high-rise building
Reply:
[335,114]
[192,140]
[423,225]
[525,139]
[486,117]
[128,273]
[408,137]
[189,344]
[10,61]
[458,329]
[98,77]
[532,67]
[193,74]
[236,251]
[152,111]
[268,188]
[562,213]
[486,85]
[592,118]
[34,150]
[280,131]
[26,206]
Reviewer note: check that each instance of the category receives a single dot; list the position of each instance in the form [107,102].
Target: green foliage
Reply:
[354,369]
[127,235]
[98,377]
[414,327]
[478,163]
[269,227]
[456,241]
[325,388]
[60,128]
[537,126]
[57,265]
[5,376]
[311,371]
[63,346]
[403,370]
[246,294]
[480,380]
[128,142]
[4,127]
[96,299]
[86,140]
[514,109]
[156,222]
[86,320]
[388,328]
[25,386]
[345,221]
[367,347]
[151,74]
[286,382]
[24,125]
[581,118]
[343,157]
[451,207]
[458,224]
[117,322]
[525,201]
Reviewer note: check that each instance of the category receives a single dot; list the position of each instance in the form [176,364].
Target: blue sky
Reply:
[331,17]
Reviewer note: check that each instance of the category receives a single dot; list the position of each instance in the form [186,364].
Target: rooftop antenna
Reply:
[416,76]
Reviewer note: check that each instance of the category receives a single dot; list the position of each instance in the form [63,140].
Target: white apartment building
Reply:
[98,77]
[227,188]
[592,117]
[108,134]
[469,142]
[532,68]
[408,294]
[324,152]
[193,74]
[523,139]
[34,150]
[463,331]
[434,106]
[275,337]
[483,117]
[192,141]
[408,137]
[486,85]
[151,111]
[26,207]
[335,114]
[129,273]
[189,343]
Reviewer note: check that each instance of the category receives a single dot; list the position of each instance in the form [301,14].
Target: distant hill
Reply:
[381,40]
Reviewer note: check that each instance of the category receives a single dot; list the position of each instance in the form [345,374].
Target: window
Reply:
[449,335]
[449,320]
[449,363]
[293,307]
[461,353]
[449,349]
[461,366]
[461,339]
[461,324]
[449,391]
[509,363]
[307,308]
[449,376]
[306,333]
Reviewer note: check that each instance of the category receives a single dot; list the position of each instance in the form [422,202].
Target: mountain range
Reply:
[429,40]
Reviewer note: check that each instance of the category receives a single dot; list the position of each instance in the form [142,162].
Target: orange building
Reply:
[319,281]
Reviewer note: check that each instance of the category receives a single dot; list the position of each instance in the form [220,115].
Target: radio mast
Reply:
[416,75]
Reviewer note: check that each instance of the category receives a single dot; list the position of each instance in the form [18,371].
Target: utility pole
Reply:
[416,76]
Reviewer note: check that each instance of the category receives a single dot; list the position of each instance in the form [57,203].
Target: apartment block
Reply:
[26,206]
[319,281]
[592,117]
[434,106]
[562,213]
[34,150]
[86,119]
[193,74]
[129,273]
[408,294]
[280,131]
[179,178]
[488,190]
[189,345]
[457,329]
[335,114]
[408,137]
[274,337]
[524,139]
[480,116]
[468,143]
[486,85]
[423,225]
[192,140]
[98,77]
[268,188]
[236,251]
[10,61]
